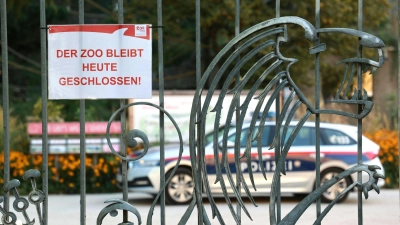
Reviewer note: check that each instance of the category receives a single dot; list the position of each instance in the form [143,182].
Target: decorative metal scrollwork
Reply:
[21,204]
[36,196]
[112,210]
[295,214]
[270,34]
[131,142]
[7,217]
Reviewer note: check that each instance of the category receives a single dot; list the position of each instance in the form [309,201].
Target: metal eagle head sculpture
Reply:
[223,69]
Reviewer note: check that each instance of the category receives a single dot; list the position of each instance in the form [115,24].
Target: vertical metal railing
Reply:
[120,16]
[237,32]
[198,78]
[317,107]
[161,99]
[360,108]
[398,76]
[45,152]
[6,124]
[278,145]
[82,140]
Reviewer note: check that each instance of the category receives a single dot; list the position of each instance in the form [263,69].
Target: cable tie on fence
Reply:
[45,28]
[157,26]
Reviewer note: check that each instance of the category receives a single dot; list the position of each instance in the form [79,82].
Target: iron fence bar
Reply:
[197,176]
[82,153]
[45,152]
[317,107]
[398,76]
[359,121]
[124,153]
[161,99]
[238,178]
[6,123]
[124,163]
[277,115]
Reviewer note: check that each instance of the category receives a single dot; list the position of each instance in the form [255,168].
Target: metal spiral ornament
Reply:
[131,142]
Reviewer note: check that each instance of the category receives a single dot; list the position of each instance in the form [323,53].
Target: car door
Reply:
[300,161]
[336,150]
[268,159]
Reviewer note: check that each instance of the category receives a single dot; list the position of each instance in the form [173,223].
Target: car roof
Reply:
[343,127]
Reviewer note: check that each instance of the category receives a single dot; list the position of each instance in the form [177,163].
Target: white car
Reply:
[338,153]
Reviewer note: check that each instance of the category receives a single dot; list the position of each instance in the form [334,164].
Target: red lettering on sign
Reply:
[69,81]
[90,53]
[106,80]
[83,82]
[99,66]
[124,53]
[119,79]
[66,53]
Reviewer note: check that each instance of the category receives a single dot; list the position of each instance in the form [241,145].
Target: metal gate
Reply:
[230,73]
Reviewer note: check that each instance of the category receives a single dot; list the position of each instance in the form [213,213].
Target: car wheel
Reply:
[330,194]
[180,189]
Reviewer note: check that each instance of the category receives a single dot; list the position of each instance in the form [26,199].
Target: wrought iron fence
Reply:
[258,46]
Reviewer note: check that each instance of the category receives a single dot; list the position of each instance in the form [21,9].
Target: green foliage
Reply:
[23,32]
[54,110]
[18,138]
[217,28]
[98,110]
[392,110]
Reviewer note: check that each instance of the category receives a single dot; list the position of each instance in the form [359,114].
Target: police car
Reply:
[338,152]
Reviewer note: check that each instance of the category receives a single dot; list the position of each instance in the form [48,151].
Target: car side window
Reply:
[335,137]
[267,136]
[243,137]
[306,136]
[210,136]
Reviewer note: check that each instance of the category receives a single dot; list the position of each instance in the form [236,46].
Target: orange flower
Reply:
[388,154]
[96,172]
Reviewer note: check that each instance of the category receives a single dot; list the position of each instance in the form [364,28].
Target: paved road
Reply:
[378,209]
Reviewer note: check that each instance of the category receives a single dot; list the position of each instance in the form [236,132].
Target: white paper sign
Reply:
[99,61]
